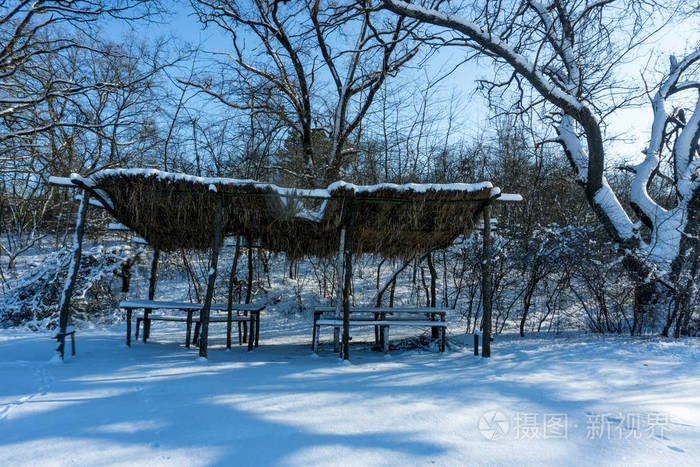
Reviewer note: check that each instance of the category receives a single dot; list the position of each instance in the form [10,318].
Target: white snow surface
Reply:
[212,182]
[625,401]
[510,198]
[117,226]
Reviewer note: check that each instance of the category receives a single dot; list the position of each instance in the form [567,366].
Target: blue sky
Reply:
[632,124]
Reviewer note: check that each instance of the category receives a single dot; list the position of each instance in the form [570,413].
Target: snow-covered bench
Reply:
[382,319]
[217,309]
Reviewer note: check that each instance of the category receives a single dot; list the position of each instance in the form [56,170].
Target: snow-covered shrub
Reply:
[32,299]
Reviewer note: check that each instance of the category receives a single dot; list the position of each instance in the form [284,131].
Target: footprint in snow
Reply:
[675,448]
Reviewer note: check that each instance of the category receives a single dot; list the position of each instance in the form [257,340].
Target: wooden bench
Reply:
[70,331]
[382,319]
[252,311]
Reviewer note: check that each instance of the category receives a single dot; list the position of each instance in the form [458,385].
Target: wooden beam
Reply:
[509,198]
[204,314]
[64,303]
[486,284]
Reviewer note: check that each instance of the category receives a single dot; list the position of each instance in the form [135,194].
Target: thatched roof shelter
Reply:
[173,211]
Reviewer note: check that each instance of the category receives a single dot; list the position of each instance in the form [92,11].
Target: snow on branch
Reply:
[683,153]
[495,46]
[639,195]
[572,145]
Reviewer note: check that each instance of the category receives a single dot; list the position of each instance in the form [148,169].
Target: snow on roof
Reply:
[397,220]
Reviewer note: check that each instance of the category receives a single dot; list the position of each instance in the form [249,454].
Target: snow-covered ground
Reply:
[557,400]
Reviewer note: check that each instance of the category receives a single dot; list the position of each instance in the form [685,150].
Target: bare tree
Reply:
[568,54]
[101,114]
[34,29]
[286,56]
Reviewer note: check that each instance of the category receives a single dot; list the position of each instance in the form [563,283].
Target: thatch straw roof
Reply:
[173,211]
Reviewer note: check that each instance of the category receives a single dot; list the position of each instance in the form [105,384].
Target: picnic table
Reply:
[219,315]
[382,319]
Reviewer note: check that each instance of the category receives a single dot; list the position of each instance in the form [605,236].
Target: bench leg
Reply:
[314,343]
[314,330]
[195,339]
[188,337]
[385,339]
[382,337]
[72,343]
[229,318]
[138,324]
[128,328]
[251,335]
[240,333]
[340,343]
[336,340]
[146,325]
[443,342]
[257,328]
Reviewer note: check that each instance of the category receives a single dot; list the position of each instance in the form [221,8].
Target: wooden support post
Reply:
[128,327]
[339,294]
[195,334]
[248,290]
[476,344]
[313,331]
[257,328]
[126,279]
[434,331]
[188,338]
[348,281]
[251,334]
[152,280]
[229,303]
[486,284]
[64,303]
[385,338]
[204,314]
[314,341]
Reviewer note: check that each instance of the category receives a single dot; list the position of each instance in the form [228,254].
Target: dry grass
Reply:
[174,214]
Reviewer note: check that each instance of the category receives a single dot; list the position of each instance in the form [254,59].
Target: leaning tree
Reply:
[563,59]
